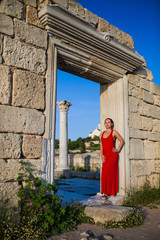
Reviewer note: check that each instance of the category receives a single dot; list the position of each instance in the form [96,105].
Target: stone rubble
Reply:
[90,236]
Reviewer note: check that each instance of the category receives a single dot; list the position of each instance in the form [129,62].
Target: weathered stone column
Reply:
[63,136]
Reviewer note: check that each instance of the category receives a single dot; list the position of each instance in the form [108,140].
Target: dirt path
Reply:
[150,230]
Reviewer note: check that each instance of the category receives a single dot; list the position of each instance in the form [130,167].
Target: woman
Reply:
[109,155]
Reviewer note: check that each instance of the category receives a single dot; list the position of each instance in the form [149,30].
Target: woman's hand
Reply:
[115,150]
[103,158]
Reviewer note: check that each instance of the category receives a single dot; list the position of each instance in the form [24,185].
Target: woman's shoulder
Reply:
[102,133]
[114,133]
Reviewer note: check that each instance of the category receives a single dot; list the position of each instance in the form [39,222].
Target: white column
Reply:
[114,104]
[63,136]
[49,135]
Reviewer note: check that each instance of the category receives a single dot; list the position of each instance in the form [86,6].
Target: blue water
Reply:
[77,189]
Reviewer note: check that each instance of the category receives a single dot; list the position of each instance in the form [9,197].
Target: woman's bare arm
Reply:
[118,136]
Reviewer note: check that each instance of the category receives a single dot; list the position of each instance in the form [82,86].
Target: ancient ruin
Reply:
[63,146]
[36,38]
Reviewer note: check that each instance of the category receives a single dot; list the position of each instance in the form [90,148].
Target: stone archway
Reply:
[75,46]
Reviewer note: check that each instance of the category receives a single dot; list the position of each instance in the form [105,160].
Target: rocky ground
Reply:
[150,230]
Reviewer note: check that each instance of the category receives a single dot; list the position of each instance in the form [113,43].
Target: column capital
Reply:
[64,105]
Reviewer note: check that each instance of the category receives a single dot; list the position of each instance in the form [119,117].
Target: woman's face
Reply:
[108,123]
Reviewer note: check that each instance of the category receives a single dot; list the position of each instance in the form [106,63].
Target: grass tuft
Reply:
[143,197]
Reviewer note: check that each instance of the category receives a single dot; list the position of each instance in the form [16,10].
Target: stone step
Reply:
[105,213]
[97,200]
[104,210]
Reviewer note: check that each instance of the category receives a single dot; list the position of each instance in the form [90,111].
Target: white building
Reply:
[95,132]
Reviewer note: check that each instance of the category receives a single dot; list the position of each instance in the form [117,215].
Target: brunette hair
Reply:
[111,122]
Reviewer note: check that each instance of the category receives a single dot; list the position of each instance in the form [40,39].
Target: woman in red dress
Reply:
[109,155]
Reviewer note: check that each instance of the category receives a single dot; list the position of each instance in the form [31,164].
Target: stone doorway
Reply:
[75,46]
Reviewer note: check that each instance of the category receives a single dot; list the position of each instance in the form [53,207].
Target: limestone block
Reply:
[141,71]
[116,32]
[133,104]
[6,24]
[147,123]
[134,79]
[154,88]
[74,7]
[154,111]
[153,180]
[142,167]
[141,180]
[91,17]
[156,125]
[148,97]
[157,100]
[157,146]
[136,149]
[104,213]
[29,2]
[144,84]
[32,146]
[25,32]
[138,182]
[127,39]
[64,3]
[149,75]
[20,55]
[149,150]
[133,90]
[135,121]
[32,17]
[28,90]
[135,133]
[10,145]
[140,93]
[103,25]
[36,165]
[8,193]
[144,109]
[157,164]
[81,11]
[21,120]
[12,8]
[5,84]
[11,167]
[154,136]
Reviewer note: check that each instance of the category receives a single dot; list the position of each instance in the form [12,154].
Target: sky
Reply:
[138,18]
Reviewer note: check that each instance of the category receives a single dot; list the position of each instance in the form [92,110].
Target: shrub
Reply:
[42,211]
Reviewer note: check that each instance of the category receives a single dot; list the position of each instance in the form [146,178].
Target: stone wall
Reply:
[23,65]
[144,128]
[89,161]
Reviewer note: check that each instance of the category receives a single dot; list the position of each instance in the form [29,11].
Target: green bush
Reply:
[93,147]
[73,145]
[79,169]
[43,213]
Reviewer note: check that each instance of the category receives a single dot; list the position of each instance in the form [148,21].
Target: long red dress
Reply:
[109,176]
